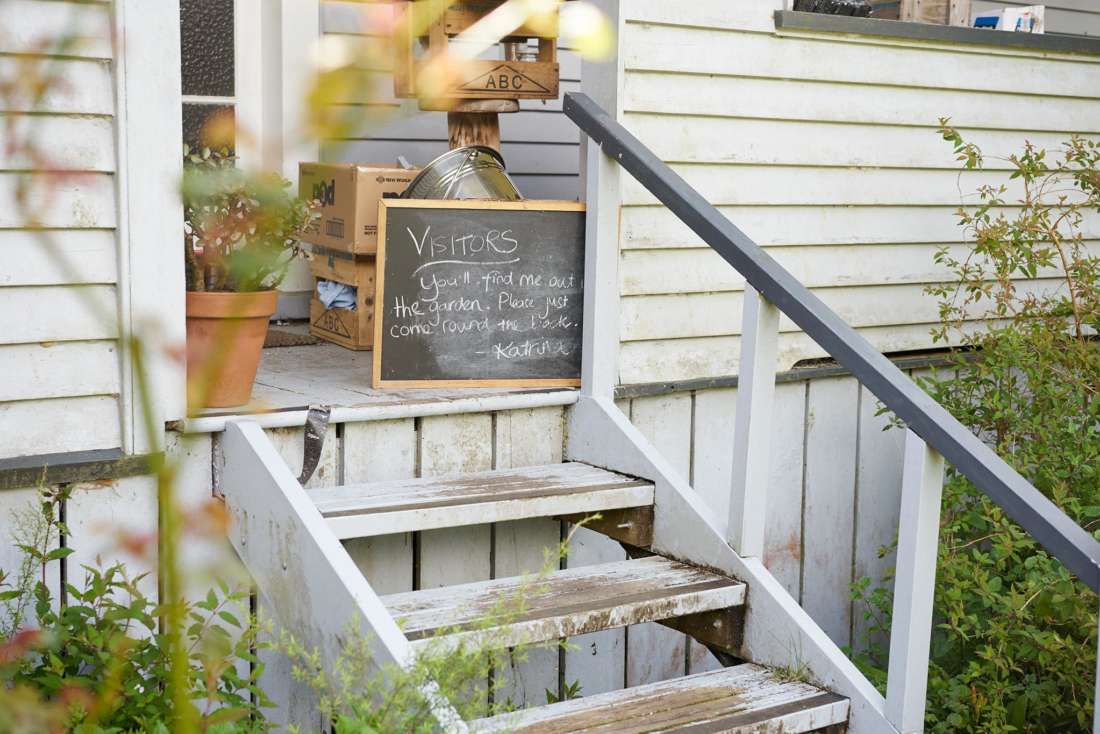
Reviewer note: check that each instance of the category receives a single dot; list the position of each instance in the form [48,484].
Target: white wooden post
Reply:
[600,338]
[602,182]
[753,425]
[151,278]
[914,585]
[1096,699]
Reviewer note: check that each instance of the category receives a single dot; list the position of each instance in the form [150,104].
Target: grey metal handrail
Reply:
[1041,518]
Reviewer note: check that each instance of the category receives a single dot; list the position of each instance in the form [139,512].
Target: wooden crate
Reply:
[348,328]
[481,79]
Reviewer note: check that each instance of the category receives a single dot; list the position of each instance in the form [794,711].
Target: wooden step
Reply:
[562,604]
[737,700]
[402,506]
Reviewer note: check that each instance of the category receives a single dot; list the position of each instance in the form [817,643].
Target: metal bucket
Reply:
[473,172]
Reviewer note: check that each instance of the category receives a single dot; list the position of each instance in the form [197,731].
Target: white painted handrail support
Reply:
[914,585]
[753,425]
[1096,699]
[302,569]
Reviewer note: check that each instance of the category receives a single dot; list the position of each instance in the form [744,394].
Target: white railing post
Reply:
[753,425]
[914,585]
[1096,698]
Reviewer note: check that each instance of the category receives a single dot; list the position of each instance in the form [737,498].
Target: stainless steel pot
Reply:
[473,172]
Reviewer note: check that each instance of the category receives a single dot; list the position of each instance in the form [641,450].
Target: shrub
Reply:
[98,662]
[1014,643]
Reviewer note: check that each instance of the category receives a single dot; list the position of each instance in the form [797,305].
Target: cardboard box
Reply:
[1028,19]
[349,328]
[349,195]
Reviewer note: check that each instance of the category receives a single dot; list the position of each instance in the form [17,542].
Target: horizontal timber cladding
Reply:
[823,148]
[59,209]
[539,144]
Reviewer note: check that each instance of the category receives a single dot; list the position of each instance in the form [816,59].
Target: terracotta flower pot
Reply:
[225,333]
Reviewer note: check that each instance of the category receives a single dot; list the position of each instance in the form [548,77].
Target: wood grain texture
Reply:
[595,661]
[32,427]
[528,438]
[570,602]
[381,451]
[737,700]
[63,369]
[67,143]
[654,652]
[824,147]
[387,210]
[62,257]
[860,61]
[452,445]
[783,527]
[298,702]
[34,26]
[649,318]
[712,462]
[645,228]
[74,313]
[290,443]
[106,521]
[878,501]
[839,102]
[705,357]
[683,138]
[477,498]
[83,87]
[539,144]
[82,202]
[828,512]
[703,271]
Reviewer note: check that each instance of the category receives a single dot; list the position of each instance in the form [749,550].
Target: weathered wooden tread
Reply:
[408,505]
[738,700]
[524,610]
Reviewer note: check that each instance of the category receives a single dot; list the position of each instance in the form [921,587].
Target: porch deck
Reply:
[293,378]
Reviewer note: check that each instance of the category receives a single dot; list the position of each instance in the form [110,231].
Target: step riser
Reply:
[567,625]
[433,518]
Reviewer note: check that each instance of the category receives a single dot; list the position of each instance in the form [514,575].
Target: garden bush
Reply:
[98,661]
[1015,634]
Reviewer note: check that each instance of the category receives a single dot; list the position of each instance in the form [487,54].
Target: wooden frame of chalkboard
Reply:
[534,206]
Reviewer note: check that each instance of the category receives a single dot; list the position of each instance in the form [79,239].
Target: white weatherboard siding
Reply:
[824,149]
[59,314]
[86,224]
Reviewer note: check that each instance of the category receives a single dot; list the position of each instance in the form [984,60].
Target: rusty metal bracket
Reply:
[316,428]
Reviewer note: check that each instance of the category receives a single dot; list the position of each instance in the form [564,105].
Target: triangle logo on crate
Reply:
[502,78]
[332,323]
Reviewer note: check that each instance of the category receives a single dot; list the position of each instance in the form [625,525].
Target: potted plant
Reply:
[240,236]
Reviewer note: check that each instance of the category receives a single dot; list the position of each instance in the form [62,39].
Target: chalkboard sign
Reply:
[479,293]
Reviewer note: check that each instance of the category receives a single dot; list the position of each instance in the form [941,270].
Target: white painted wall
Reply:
[92,253]
[823,148]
